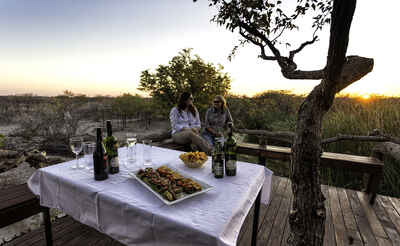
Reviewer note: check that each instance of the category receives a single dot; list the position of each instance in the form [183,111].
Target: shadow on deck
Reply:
[351,220]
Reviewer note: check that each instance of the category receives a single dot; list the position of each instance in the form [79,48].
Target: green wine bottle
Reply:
[99,163]
[112,150]
[230,153]
[218,161]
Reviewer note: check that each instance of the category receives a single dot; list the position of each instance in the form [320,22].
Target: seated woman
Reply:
[185,123]
[217,119]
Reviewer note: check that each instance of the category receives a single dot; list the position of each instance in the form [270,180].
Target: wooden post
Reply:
[374,178]
[263,146]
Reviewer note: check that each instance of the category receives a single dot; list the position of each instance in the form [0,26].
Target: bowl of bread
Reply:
[194,159]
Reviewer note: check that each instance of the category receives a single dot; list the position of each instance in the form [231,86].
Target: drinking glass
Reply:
[131,140]
[88,149]
[76,147]
[147,148]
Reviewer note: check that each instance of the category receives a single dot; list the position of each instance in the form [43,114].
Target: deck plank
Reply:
[329,239]
[349,220]
[266,224]
[360,216]
[386,222]
[246,230]
[391,212]
[337,218]
[286,232]
[396,204]
[278,227]
[376,226]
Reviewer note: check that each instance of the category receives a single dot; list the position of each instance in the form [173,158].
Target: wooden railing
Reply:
[363,164]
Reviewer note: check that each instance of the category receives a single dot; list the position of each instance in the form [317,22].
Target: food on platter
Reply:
[170,184]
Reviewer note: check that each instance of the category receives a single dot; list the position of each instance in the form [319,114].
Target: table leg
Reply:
[47,226]
[255,219]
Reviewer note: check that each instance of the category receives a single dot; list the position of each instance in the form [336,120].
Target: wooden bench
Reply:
[18,203]
[362,164]
[169,144]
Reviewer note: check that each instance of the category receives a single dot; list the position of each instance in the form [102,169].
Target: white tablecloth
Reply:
[122,208]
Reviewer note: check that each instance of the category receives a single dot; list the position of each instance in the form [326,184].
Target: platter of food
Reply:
[169,185]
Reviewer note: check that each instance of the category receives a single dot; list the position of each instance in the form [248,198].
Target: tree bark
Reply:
[307,217]
[387,149]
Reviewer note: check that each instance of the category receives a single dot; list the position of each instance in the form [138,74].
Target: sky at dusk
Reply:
[101,46]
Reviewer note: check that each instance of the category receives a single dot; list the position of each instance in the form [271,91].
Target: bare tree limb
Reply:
[300,74]
[288,67]
[259,44]
[294,52]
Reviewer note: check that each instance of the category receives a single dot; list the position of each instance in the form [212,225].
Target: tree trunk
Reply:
[307,217]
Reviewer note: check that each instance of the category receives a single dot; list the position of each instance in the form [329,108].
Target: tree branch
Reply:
[354,68]
[288,67]
[300,74]
[294,52]
[263,55]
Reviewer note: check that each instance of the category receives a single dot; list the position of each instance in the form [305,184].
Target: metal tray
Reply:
[205,187]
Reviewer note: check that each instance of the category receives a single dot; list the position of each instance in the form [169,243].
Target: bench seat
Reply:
[66,231]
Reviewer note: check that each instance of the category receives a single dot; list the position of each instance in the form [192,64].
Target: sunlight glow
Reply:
[366,96]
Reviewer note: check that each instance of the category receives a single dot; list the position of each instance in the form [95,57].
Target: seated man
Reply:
[185,124]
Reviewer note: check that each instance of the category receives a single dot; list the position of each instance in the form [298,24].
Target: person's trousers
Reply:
[189,137]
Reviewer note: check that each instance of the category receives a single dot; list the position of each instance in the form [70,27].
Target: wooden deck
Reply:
[351,220]
[66,232]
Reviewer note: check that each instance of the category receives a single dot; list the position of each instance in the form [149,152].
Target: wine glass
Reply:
[131,139]
[147,149]
[76,146]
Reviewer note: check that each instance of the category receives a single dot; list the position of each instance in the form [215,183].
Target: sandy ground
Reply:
[22,173]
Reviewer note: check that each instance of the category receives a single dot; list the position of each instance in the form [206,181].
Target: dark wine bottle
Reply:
[218,161]
[112,150]
[230,153]
[99,164]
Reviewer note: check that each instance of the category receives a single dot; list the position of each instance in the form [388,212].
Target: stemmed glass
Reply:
[76,146]
[131,139]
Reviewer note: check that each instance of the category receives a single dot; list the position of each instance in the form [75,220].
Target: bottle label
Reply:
[114,162]
[218,169]
[230,164]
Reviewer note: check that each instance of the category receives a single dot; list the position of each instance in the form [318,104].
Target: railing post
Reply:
[372,187]
[263,147]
